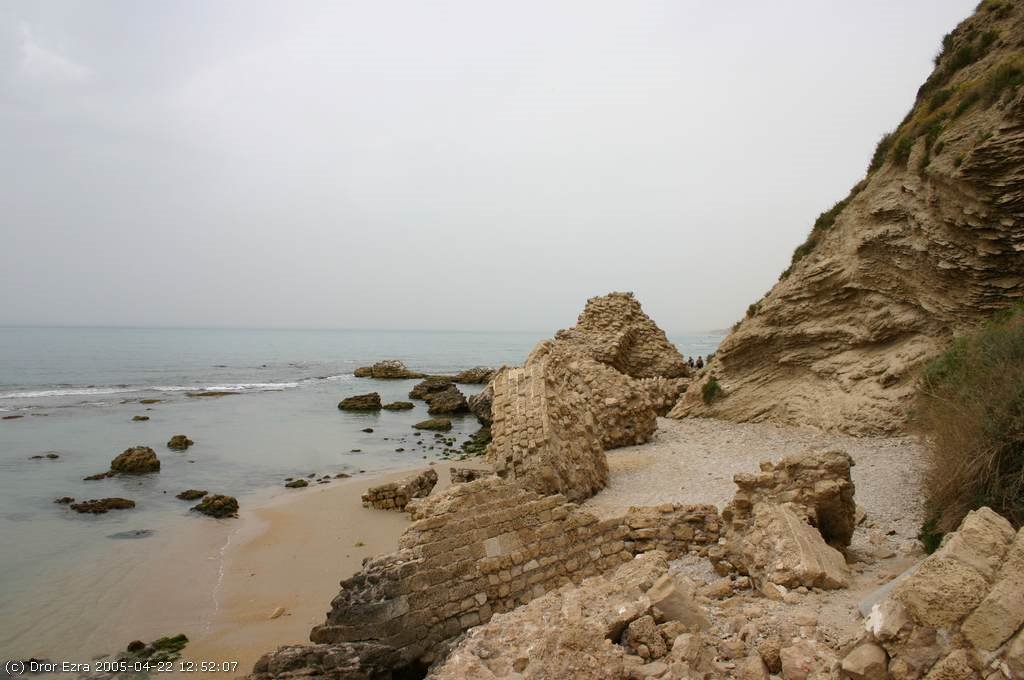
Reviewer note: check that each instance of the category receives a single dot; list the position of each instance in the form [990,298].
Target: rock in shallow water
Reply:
[179,442]
[218,505]
[440,424]
[191,494]
[361,402]
[102,505]
[137,460]
[135,533]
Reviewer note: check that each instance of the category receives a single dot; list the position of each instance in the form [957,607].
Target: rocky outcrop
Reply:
[924,248]
[343,661]
[218,505]
[102,506]
[958,614]
[429,385]
[138,460]
[448,400]
[396,495]
[361,402]
[179,442]
[399,406]
[390,369]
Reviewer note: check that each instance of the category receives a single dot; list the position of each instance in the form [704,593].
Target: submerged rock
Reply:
[439,424]
[133,534]
[398,406]
[149,401]
[218,505]
[296,484]
[137,460]
[361,402]
[64,500]
[191,494]
[476,445]
[102,505]
[139,418]
[179,442]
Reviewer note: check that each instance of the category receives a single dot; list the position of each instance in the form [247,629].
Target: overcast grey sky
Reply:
[458,165]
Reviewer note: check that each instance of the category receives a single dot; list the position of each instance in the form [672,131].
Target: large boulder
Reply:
[137,460]
[218,505]
[390,369]
[449,400]
[361,402]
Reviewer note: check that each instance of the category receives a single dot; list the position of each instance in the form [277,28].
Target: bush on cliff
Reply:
[970,408]
[711,390]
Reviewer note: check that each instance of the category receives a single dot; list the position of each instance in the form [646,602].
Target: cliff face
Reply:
[926,246]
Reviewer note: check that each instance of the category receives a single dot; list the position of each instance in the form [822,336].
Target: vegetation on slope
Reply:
[970,407]
[944,98]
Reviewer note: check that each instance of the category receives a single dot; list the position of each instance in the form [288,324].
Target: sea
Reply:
[73,393]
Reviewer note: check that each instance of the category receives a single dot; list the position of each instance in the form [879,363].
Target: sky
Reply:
[457,164]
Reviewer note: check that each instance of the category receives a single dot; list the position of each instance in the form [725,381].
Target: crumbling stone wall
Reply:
[396,495]
[818,485]
[543,437]
[489,546]
[672,528]
[462,475]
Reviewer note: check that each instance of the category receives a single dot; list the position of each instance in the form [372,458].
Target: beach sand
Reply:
[291,553]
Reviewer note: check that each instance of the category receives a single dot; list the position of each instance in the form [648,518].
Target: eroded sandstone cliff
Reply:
[926,246]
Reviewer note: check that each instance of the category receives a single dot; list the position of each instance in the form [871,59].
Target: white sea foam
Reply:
[117,389]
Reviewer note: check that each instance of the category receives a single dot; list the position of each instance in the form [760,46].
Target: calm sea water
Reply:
[77,390]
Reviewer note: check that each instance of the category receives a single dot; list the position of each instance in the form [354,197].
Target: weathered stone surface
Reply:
[480,405]
[643,639]
[563,634]
[475,376]
[955,666]
[781,548]
[1001,613]
[462,475]
[179,442]
[448,400]
[103,505]
[673,597]
[138,460]
[942,591]
[218,505]
[396,495]
[343,661]
[924,248]
[390,369]
[817,483]
[867,661]
[361,402]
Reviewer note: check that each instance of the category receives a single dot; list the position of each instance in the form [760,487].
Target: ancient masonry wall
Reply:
[488,546]
[396,495]
[548,443]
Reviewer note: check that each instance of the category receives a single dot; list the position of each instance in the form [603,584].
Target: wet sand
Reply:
[291,553]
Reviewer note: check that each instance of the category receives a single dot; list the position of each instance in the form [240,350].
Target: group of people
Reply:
[699,363]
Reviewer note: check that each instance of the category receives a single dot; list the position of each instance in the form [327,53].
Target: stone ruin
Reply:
[396,495]
[596,386]
[461,475]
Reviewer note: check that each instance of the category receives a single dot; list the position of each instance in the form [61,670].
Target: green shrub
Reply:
[939,98]
[930,536]
[1005,76]
[881,151]
[970,408]
[752,309]
[711,390]
[901,149]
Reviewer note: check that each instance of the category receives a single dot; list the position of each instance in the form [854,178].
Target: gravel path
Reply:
[694,460]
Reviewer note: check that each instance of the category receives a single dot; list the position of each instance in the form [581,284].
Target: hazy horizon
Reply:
[452,166]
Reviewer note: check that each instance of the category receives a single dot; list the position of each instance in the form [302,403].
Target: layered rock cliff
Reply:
[926,246]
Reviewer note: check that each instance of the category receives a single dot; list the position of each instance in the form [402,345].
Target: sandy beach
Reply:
[290,554]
